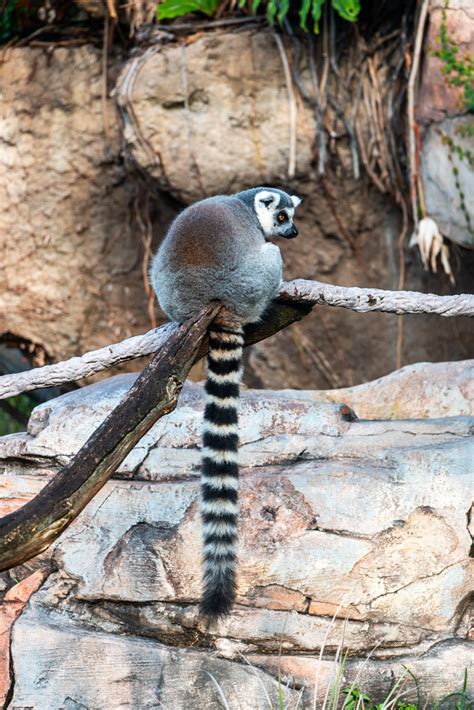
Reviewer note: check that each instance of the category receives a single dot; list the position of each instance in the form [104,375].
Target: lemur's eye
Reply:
[282,217]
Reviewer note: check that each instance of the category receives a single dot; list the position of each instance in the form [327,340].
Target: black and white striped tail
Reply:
[219,476]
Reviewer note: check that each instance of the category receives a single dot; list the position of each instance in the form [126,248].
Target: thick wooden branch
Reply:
[295,300]
[32,528]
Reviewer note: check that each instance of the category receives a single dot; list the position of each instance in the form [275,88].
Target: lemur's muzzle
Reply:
[291,233]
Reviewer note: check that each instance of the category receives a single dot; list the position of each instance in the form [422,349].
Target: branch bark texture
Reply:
[295,300]
[364,300]
[32,528]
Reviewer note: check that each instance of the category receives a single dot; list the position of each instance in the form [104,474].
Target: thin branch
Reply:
[88,364]
[112,10]
[411,107]
[105,78]
[32,528]
[364,300]
[296,298]
[209,25]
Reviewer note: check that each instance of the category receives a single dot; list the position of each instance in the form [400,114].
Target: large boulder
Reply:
[71,263]
[204,118]
[419,391]
[350,529]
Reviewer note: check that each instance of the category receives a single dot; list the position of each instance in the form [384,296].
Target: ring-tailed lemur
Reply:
[219,249]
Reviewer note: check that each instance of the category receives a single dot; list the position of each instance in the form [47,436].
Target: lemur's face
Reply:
[275,212]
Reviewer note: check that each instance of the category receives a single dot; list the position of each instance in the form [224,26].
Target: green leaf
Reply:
[168,9]
[303,13]
[242,3]
[316,10]
[255,5]
[175,8]
[347,9]
[271,11]
[211,6]
[283,11]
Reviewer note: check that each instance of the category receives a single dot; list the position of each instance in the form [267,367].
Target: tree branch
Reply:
[279,316]
[364,300]
[296,298]
[32,528]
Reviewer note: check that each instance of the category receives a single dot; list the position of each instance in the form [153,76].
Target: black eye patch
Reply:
[282,217]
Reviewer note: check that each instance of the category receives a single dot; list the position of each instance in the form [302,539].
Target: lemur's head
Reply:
[274,210]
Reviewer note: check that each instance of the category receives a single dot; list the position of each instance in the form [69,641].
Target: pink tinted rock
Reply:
[11,607]
[437,98]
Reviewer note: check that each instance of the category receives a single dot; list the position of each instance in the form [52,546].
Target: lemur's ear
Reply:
[296,200]
[267,198]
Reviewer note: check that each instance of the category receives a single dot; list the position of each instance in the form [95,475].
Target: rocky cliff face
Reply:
[349,528]
[447,125]
[203,117]
[71,263]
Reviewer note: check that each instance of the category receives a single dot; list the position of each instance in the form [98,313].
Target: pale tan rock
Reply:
[349,528]
[441,169]
[71,262]
[442,109]
[418,391]
[93,669]
[437,98]
[173,99]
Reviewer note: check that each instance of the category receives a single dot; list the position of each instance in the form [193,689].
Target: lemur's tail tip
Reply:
[216,606]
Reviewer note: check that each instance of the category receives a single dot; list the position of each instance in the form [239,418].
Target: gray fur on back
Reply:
[216,250]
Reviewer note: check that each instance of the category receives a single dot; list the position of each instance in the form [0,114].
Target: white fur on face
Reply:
[295,200]
[265,212]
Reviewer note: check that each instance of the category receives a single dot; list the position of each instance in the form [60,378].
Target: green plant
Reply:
[275,9]
[457,701]
[452,148]
[462,154]
[338,697]
[357,699]
[7,22]
[168,9]
[459,70]
[14,414]
[354,698]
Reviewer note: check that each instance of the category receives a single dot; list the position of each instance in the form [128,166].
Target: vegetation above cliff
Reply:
[28,19]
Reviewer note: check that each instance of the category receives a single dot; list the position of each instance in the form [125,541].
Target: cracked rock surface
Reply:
[364,521]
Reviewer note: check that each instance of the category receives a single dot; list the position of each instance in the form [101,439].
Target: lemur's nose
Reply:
[292,233]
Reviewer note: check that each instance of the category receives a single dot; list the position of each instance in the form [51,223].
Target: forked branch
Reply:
[295,300]
[32,528]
